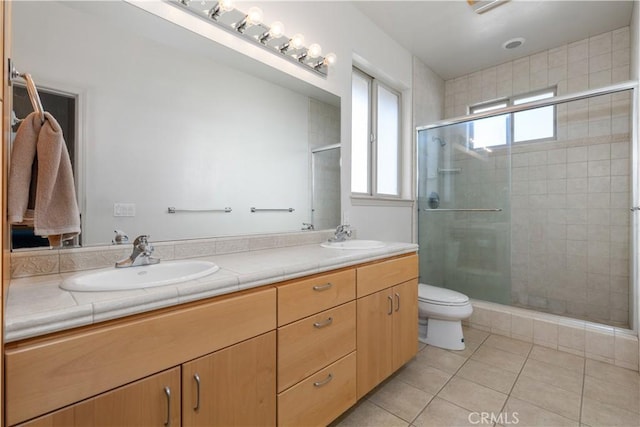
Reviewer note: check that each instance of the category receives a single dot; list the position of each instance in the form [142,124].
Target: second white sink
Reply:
[354,244]
[148,276]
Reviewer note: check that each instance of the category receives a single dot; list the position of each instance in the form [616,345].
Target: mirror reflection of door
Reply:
[325,207]
[63,107]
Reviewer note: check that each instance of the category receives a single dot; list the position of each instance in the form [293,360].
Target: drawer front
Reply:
[306,346]
[309,296]
[90,362]
[320,398]
[375,277]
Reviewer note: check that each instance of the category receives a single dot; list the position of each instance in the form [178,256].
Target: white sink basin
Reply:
[147,276]
[354,244]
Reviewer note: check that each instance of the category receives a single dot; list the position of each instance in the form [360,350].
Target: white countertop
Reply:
[37,306]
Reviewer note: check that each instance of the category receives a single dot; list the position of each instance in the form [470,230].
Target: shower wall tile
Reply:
[569,198]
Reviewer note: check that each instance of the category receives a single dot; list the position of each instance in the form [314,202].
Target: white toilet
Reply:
[441,312]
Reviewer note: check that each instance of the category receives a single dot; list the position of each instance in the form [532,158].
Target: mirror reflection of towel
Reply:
[52,209]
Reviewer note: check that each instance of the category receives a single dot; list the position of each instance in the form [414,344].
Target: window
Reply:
[530,125]
[375,137]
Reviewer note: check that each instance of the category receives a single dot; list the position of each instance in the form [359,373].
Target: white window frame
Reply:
[372,156]
[510,122]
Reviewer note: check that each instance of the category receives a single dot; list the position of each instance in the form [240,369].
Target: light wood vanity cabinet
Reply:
[235,386]
[153,401]
[387,331]
[44,375]
[308,347]
[316,350]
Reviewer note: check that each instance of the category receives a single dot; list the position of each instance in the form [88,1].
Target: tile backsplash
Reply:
[55,261]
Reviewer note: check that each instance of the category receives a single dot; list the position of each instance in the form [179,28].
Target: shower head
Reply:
[439,141]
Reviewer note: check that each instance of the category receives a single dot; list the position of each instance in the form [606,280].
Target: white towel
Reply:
[53,211]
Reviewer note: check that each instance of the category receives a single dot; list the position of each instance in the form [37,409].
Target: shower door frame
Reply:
[632,85]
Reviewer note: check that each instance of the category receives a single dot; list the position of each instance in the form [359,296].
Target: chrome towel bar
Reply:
[173,210]
[272,210]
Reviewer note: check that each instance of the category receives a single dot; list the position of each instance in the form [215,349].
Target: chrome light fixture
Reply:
[250,27]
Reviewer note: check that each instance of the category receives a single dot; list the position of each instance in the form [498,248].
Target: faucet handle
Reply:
[120,237]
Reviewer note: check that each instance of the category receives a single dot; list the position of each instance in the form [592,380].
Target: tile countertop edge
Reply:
[56,319]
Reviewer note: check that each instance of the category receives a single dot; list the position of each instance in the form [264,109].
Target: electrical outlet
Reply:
[124,209]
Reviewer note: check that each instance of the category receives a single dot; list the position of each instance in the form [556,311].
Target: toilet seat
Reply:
[441,296]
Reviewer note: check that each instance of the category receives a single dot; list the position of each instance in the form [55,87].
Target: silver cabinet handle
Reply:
[397,301]
[324,287]
[167,392]
[390,312]
[196,378]
[323,382]
[323,323]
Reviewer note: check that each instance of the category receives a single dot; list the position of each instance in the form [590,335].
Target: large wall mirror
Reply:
[162,120]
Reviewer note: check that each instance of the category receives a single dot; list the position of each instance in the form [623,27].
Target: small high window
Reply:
[524,126]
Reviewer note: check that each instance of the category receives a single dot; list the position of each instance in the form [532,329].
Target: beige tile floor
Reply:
[520,384]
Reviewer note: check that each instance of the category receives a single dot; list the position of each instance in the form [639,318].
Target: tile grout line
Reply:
[449,380]
[517,378]
[584,374]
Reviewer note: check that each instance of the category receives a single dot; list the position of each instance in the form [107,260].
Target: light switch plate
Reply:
[124,209]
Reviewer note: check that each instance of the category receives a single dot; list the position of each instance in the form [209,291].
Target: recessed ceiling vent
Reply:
[481,6]
[513,43]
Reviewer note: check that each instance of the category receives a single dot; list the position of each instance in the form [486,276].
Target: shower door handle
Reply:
[635,208]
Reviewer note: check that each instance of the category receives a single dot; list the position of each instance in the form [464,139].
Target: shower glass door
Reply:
[464,213]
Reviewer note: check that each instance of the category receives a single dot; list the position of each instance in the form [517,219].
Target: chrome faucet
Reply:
[307,226]
[342,233]
[141,254]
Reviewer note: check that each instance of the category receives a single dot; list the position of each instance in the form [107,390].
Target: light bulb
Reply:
[314,50]
[226,5]
[330,59]
[254,16]
[297,41]
[276,30]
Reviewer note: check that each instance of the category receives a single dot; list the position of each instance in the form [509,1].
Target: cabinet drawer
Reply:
[320,398]
[312,343]
[375,277]
[309,296]
[84,364]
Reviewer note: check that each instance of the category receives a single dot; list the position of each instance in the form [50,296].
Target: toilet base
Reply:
[445,334]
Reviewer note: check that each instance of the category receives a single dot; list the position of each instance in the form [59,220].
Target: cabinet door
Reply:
[374,340]
[153,401]
[234,386]
[405,322]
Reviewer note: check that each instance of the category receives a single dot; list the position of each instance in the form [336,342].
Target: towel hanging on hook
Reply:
[34,97]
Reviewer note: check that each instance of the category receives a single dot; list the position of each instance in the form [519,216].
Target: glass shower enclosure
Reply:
[532,205]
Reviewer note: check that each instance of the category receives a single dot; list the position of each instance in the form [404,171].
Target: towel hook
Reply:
[31,90]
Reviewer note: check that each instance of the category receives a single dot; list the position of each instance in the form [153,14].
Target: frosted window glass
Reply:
[388,139]
[359,134]
[491,131]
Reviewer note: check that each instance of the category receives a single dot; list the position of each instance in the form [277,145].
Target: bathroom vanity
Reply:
[280,351]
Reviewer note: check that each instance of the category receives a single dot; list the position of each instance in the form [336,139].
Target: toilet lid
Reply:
[442,296]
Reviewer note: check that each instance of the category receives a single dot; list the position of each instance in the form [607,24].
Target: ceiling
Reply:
[453,40]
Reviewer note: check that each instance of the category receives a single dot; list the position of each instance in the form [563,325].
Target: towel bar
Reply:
[272,210]
[173,210]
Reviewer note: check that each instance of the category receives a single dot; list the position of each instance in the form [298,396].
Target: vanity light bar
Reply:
[249,26]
